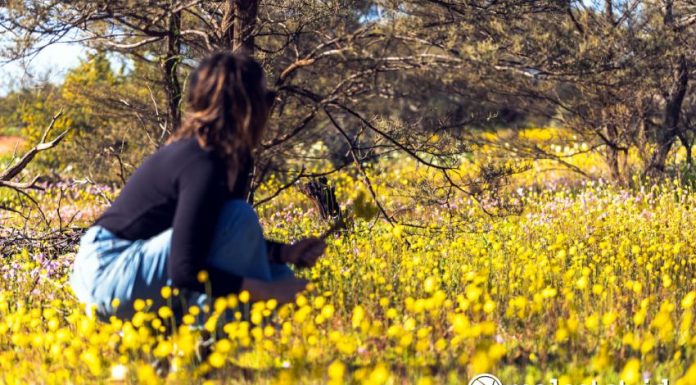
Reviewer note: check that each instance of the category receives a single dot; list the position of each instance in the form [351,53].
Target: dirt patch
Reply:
[8,144]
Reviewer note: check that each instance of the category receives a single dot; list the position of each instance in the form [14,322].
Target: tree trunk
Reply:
[687,147]
[609,11]
[669,12]
[239,21]
[617,160]
[613,163]
[169,68]
[670,129]
[616,163]
[323,196]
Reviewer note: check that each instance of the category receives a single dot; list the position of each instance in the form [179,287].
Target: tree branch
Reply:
[29,156]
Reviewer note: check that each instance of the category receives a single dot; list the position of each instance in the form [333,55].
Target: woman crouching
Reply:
[182,215]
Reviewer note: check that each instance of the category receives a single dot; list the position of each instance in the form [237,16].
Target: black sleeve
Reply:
[201,189]
[274,249]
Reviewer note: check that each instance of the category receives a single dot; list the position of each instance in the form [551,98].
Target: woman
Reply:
[181,218]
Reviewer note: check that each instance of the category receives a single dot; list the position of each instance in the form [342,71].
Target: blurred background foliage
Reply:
[363,79]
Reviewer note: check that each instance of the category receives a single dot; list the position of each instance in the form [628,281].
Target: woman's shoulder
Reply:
[185,144]
[186,155]
[188,149]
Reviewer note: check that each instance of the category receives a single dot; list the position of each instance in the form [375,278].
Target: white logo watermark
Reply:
[489,379]
[485,379]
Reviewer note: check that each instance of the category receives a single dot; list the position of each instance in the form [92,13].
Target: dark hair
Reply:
[227,107]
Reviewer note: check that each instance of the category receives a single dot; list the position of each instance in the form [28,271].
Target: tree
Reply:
[617,75]
[339,66]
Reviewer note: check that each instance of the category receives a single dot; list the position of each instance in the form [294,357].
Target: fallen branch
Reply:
[21,186]
[13,171]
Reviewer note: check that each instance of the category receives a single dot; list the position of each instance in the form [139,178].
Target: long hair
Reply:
[227,108]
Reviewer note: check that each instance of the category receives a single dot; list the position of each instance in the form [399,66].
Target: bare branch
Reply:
[42,146]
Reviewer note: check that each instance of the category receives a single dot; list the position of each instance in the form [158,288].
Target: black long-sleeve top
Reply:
[181,186]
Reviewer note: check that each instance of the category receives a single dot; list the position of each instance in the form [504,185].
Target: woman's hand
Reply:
[303,253]
[284,291]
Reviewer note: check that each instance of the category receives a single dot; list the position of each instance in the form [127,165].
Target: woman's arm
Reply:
[303,253]
[275,250]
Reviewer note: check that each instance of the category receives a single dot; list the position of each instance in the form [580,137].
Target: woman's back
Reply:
[147,203]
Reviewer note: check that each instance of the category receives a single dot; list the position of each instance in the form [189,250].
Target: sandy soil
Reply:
[9,143]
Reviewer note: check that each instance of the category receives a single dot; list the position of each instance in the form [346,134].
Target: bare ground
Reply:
[8,144]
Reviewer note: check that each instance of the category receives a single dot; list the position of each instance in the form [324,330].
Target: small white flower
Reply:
[646,376]
[119,372]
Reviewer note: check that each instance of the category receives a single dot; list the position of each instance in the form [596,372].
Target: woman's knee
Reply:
[237,213]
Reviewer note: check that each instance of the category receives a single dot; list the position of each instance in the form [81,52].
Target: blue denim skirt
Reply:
[108,268]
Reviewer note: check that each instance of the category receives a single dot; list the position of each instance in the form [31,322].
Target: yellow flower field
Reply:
[595,283]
